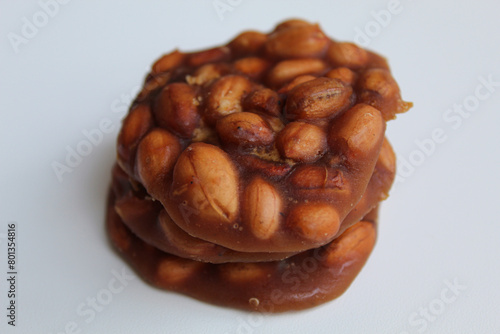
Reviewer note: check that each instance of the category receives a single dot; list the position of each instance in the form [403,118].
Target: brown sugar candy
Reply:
[264,149]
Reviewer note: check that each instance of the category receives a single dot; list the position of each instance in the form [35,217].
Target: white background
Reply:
[439,225]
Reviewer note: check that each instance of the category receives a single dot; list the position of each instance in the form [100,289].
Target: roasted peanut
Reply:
[254,67]
[153,83]
[177,109]
[299,41]
[262,208]
[225,96]
[244,129]
[118,233]
[287,70]
[249,42]
[134,127]
[295,82]
[377,61]
[173,270]
[318,98]
[356,242]
[242,272]
[208,56]
[379,89]
[131,208]
[317,222]
[358,132]
[168,62]
[317,178]
[206,180]
[385,169]
[348,55]
[343,74]
[156,155]
[292,23]
[387,157]
[320,183]
[301,142]
[264,100]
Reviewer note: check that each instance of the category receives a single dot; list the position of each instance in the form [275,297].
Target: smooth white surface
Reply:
[440,224]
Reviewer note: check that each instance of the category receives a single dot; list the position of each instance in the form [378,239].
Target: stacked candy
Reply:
[249,175]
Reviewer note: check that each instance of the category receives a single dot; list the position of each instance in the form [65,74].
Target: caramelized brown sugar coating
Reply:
[240,131]
[301,281]
[147,219]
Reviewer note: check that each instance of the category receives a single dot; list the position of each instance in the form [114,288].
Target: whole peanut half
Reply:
[205,180]
[317,222]
[174,271]
[225,96]
[379,89]
[244,129]
[208,56]
[254,67]
[355,139]
[295,82]
[287,70]
[348,55]
[386,164]
[119,235]
[377,61]
[356,243]
[318,98]
[177,109]
[156,155]
[242,272]
[377,189]
[292,23]
[358,133]
[297,42]
[134,127]
[168,62]
[301,142]
[153,84]
[262,208]
[343,74]
[248,42]
[318,181]
[131,208]
[264,100]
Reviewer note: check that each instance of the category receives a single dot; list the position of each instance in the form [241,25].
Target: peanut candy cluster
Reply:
[235,162]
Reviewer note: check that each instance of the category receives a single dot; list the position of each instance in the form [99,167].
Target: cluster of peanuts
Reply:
[244,166]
